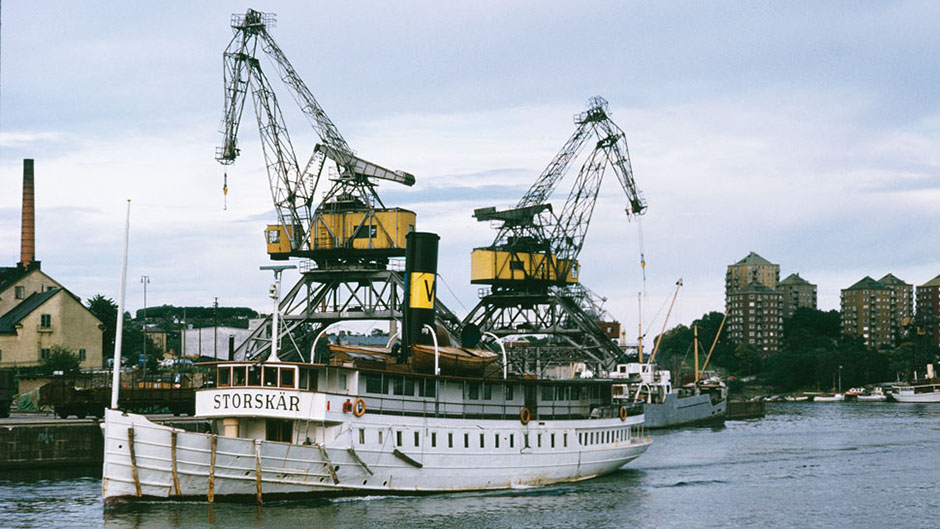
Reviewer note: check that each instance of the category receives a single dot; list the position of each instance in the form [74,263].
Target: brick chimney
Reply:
[28,231]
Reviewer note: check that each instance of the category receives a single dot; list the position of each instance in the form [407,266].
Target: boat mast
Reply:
[275,317]
[659,339]
[116,366]
[695,338]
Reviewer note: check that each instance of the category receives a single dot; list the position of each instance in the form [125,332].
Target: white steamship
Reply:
[372,421]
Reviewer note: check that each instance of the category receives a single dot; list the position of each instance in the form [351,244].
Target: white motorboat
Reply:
[829,397]
[924,392]
[875,395]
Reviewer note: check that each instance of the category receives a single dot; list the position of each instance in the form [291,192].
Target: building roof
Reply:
[795,280]
[891,279]
[935,282]
[9,320]
[867,283]
[753,258]
[756,287]
[12,274]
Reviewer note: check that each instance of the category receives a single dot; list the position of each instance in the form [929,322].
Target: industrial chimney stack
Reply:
[28,232]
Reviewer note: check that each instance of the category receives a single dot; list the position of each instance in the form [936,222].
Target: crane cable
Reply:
[639,229]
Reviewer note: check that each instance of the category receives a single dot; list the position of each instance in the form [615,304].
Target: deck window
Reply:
[380,437]
[553,440]
[507,393]
[270,376]
[482,441]
[433,439]
[574,393]
[403,386]
[525,439]
[238,375]
[254,376]
[362,436]
[426,388]
[450,440]
[512,440]
[225,376]
[417,439]
[538,440]
[398,438]
[279,430]
[496,440]
[548,393]
[564,438]
[374,384]
[466,440]
[287,377]
[473,391]
[487,391]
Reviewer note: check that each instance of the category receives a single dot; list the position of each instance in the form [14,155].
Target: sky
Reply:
[807,132]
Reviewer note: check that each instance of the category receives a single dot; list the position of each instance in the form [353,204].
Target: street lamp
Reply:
[840,379]
[145,280]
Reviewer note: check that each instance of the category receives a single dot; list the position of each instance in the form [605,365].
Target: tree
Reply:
[61,359]
[105,310]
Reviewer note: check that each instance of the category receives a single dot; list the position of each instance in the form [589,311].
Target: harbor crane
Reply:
[531,268]
[347,237]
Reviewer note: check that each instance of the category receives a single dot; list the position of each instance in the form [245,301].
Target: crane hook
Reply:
[225,191]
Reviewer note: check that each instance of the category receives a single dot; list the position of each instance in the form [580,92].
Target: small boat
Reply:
[793,398]
[875,395]
[923,392]
[829,397]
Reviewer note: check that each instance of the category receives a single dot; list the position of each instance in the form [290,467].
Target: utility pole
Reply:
[145,280]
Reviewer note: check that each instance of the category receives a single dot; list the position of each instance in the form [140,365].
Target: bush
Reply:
[62,359]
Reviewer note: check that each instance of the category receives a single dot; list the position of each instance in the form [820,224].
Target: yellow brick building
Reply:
[37,313]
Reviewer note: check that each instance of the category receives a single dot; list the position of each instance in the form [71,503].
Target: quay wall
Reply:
[60,443]
[43,445]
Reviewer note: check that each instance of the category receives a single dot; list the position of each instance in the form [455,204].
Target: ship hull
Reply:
[147,461]
[684,411]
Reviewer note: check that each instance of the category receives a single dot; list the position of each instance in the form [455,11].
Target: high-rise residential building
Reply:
[751,284]
[867,312]
[902,304]
[746,271]
[928,310]
[797,292]
[755,317]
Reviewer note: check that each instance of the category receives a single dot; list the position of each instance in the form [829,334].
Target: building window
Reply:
[45,321]
[20,292]
[81,354]
[44,353]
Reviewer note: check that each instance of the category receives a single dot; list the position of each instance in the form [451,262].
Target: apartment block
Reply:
[755,317]
[866,309]
[797,292]
[748,270]
[928,310]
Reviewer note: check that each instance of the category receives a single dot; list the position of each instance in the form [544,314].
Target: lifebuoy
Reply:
[524,416]
[359,407]
[623,413]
